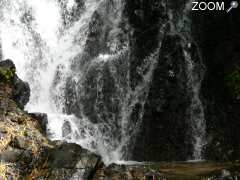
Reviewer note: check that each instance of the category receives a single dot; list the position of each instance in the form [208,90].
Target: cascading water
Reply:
[48,41]
[195,73]
[196,111]
[75,57]
[43,38]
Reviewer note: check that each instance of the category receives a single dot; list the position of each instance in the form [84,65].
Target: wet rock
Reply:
[8,64]
[66,129]
[67,160]
[27,148]
[21,142]
[164,132]
[21,92]
[221,54]
[71,15]
[42,120]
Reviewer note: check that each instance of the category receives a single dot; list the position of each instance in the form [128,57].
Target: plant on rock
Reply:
[6,74]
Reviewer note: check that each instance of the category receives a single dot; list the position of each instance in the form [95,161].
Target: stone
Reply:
[21,92]
[170,171]
[42,119]
[66,129]
[68,160]
[10,155]
[20,142]
[69,155]
[8,64]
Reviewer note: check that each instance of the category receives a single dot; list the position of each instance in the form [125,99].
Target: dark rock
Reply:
[68,160]
[164,131]
[8,64]
[21,92]
[219,44]
[145,36]
[33,156]
[68,155]
[26,158]
[42,120]
[66,129]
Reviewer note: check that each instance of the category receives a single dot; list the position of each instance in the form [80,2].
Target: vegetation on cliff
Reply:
[6,74]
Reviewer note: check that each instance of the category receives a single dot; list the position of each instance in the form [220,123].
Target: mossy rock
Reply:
[6,74]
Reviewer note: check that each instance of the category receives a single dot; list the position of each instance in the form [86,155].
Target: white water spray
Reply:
[34,37]
[43,39]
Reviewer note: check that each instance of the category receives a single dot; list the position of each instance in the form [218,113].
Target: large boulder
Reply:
[71,161]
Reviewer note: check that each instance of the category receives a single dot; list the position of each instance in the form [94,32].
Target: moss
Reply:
[6,74]
[233,82]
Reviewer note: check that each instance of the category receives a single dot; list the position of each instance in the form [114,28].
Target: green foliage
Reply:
[233,82]
[6,74]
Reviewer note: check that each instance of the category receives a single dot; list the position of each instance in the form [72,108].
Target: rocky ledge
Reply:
[26,152]
[171,171]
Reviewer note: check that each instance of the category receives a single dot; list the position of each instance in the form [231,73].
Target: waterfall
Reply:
[48,42]
[75,57]
[196,111]
[195,72]
[43,38]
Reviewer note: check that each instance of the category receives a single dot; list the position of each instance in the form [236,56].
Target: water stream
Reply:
[48,40]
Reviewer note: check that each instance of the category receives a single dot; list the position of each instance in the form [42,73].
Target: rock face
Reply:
[42,120]
[166,129]
[212,40]
[70,161]
[21,141]
[66,129]
[164,46]
[25,152]
[21,91]
[219,44]
[170,54]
